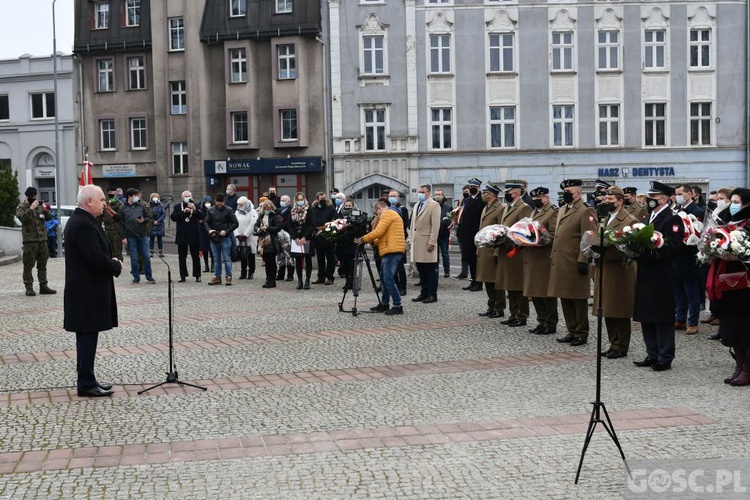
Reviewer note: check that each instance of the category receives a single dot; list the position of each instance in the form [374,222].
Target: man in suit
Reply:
[656,282]
[464,264]
[509,270]
[632,204]
[89,300]
[188,216]
[492,213]
[618,291]
[688,298]
[569,268]
[425,227]
[536,265]
[468,226]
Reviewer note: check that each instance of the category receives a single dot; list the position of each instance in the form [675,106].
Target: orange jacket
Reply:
[388,234]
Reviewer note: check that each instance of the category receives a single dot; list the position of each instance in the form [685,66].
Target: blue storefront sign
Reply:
[296,165]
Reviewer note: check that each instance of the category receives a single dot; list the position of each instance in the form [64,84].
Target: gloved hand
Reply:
[583,268]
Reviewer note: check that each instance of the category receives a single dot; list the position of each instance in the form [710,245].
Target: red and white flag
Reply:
[86,178]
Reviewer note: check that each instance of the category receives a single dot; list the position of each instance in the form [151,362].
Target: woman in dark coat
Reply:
[157,231]
[267,228]
[205,249]
[302,231]
[187,216]
[733,307]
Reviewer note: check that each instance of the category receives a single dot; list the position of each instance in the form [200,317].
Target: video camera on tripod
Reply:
[357,223]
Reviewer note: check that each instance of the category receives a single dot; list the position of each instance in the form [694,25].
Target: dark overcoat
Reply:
[89,299]
[509,272]
[188,225]
[536,260]
[618,298]
[655,283]
[565,281]
[469,224]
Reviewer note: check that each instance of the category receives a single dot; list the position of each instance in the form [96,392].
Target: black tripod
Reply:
[172,377]
[355,278]
[599,408]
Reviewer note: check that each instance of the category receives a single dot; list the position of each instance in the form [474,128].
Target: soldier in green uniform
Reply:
[33,215]
[111,226]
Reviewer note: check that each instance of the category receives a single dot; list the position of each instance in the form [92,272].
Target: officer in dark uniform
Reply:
[656,282]
[111,225]
[33,216]
[632,205]
[468,227]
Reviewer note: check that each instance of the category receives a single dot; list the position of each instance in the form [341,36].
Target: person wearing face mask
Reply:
[157,232]
[425,226]
[656,282]
[33,214]
[285,211]
[536,266]
[723,196]
[221,223]
[633,206]
[322,211]
[486,264]
[569,268]
[135,220]
[338,202]
[456,224]
[618,291]
[394,198]
[685,203]
[205,248]
[112,223]
[302,232]
[509,271]
[345,251]
[468,226]
[231,197]
[187,216]
[731,306]
[688,295]
[267,228]
[445,233]
[272,197]
[247,242]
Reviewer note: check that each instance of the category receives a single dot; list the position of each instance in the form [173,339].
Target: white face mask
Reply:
[721,203]
[155,200]
[207,205]
[680,199]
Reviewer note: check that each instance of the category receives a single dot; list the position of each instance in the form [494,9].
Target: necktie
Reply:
[419,208]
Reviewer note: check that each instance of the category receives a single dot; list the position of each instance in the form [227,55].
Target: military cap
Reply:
[660,188]
[571,183]
[475,182]
[492,188]
[601,185]
[30,191]
[512,185]
[630,190]
[615,190]
[538,192]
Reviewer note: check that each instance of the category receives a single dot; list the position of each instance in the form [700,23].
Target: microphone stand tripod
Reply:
[599,408]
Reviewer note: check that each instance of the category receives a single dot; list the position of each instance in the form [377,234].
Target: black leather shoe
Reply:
[566,339]
[547,331]
[96,392]
[476,287]
[469,286]
[607,352]
[394,310]
[198,279]
[30,292]
[496,314]
[461,276]
[660,367]
[182,280]
[508,321]
[418,298]
[402,292]
[104,386]
[645,363]
[487,312]
[715,336]
[578,341]
[536,329]
[380,308]
[429,300]
[616,354]
[517,322]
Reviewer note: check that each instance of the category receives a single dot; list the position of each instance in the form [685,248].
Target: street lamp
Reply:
[57,126]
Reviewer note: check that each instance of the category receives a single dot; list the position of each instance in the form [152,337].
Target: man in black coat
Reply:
[90,304]
[321,212]
[188,217]
[468,227]
[655,282]
[689,291]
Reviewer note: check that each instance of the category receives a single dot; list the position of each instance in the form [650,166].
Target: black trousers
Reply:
[182,251]
[85,354]
[271,266]
[469,256]
[659,340]
[428,277]
[401,273]
[546,311]
[346,268]
[326,262]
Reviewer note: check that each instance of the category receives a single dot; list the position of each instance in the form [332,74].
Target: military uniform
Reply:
[112,228]
[491,214]
[566,281]
[509,271]
[35,252]
[638,211]
[536,270]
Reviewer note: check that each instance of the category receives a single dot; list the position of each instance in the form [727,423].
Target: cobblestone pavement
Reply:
[305,401]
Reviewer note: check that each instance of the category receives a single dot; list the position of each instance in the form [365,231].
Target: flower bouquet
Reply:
[529,233]
[693,227]
[632,241]
[335,231]
[727,242]
[492,236]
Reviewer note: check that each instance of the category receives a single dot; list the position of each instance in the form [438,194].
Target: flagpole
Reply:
[58,184]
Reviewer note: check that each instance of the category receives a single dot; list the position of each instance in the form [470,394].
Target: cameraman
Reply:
[345,251]
[33,215]
[389,237]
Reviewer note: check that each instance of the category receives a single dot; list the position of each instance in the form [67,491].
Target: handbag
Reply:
[734,281]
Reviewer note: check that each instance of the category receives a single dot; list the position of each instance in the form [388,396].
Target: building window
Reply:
[501,52]
[238,65]
[238,8]
[133,13]
[502,126]
[440,53]
[138,137]
[284,6]
[562,125]
[655,49]
[562,51]
[176,33]
[137,72]
[179,158]
[101,15]
[287,62]
[105,69]
[608,50]
[609,124]
[700,48]
[700,123]
[107,135]
[442,130]
[656,124]
[239,128]
[373,48]
[43,105]
[439,2]
[179,97]
[4,108]
[288,124]
[374,129]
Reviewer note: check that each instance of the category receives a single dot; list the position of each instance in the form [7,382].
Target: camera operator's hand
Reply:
[358,241]
[583,268]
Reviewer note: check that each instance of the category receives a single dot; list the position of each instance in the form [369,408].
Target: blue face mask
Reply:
[734,208]
[338,201]
[136,199]
[393,200]
[421,196]
[282,204]
[300,203]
